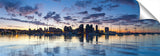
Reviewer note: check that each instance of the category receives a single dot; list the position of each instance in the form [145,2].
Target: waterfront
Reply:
[104,45]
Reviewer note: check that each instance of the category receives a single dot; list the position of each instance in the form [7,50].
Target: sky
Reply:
[116,14]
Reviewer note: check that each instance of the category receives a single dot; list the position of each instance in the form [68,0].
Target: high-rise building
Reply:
[97,29]
[87,28]
[81,29]
[106,29]
[91,28]
[51,29]
[45,29]
[67,29]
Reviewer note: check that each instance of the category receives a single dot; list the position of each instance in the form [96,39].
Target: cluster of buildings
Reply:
[12,31]
[67,30]
[88,29]
[50,30]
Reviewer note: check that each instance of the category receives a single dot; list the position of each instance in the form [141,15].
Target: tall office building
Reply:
[81,29]
[97,29]
[106,29]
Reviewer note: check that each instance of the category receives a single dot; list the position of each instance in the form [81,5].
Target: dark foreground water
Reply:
[24,45]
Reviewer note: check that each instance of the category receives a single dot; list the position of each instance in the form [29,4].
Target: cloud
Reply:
[38,14]
[123,19]
[28,10]
[57,17]
[49,15]
[123,23]
[127,19]
[104,1]
[29,17]
[74,19]
[83,3]
[148,21]
[15,7]
[95,22]
[83,12]
[52,15]
[131,17]
[65,23]
[109,20]
[25,21]
[14,26]
[81,22]
[94,16]
[67,18]
[129,2]
[112,6]
[67,9]
[10,5]
[56,0]
[13,15]
[99,9]
[91,21]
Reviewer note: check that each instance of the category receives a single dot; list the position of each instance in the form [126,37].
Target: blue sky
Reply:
[24,14]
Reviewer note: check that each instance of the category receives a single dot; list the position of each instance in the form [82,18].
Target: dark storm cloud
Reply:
[83,12]
[25,21]
[67,18]
[83,3]
[94,16]
[49,15]
[99,9]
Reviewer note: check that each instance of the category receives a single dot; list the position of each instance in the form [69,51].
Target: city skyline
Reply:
[25,14]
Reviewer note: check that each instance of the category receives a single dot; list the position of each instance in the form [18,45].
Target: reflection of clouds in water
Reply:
[84,46]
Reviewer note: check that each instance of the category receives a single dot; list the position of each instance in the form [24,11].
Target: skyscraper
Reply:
[106,29]
[97,31]
[87,28]
[81,29]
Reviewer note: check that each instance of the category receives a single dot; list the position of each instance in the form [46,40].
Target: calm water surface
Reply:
[130,45]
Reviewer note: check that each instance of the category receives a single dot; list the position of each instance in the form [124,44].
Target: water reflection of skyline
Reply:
[82,45]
